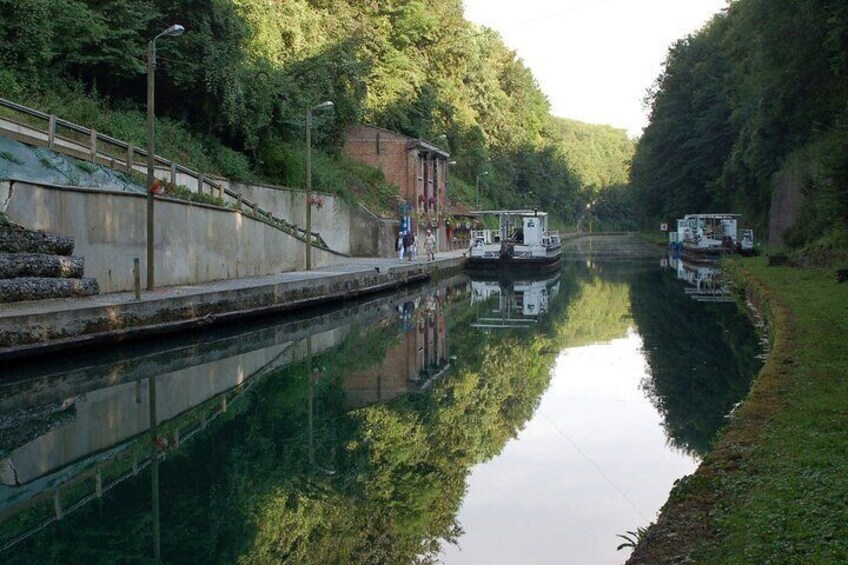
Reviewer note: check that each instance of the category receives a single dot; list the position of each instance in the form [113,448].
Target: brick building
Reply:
[417,167]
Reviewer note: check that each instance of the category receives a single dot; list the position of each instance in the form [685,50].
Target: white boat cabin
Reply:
[711,232]
[523,232]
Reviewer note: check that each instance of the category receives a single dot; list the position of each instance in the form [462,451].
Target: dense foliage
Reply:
[245,72]
[754,101]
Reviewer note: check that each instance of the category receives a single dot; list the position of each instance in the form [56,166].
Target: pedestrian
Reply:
[408,241]
[430,246]
[415,248]
[399,246]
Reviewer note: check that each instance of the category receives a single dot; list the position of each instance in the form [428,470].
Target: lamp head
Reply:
[174,31]
[322,105]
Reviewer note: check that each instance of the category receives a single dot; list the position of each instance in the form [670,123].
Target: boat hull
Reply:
[693,252]
[523,265]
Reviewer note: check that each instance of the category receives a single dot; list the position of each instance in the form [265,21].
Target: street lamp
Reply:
[172,31]
[320,106]
[483,174]
[437,138]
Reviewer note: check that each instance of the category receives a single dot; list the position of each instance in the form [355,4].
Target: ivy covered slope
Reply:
[751,105]
[233,91]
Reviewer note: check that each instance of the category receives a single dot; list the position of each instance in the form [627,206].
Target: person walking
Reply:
[399,246]
[415,247]
[408,241]
[430,246]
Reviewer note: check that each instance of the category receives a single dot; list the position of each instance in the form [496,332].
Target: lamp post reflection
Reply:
[313,373]
[154,469]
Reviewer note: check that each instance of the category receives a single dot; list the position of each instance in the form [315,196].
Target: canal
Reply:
[467,421]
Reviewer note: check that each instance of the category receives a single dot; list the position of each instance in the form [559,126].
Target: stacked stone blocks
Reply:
[37,265]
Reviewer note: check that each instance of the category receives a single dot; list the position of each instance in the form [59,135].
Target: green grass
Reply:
[793,506]
[87,167]
[773,489]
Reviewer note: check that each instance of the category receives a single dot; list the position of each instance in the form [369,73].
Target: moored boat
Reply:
[708,236]
[522,243]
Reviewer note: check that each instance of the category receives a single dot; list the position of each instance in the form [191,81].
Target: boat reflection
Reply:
[68,436]
[517,303]
[704,278]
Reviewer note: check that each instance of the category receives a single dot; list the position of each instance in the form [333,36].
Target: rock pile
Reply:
[36,265]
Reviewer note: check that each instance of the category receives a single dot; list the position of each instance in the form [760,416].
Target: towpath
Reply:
[37,327]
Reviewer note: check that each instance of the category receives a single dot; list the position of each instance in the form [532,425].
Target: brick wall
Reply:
[417,168]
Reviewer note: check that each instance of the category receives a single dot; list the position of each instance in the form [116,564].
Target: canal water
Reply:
[467,421]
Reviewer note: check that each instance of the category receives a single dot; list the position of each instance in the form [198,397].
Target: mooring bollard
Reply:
[136,279]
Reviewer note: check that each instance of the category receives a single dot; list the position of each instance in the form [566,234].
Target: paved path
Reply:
[30,327]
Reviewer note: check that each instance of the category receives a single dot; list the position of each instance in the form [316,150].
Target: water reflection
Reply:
[72,435]
[703,355]
[517,303]
[703,277]
[346,434]
[594,459]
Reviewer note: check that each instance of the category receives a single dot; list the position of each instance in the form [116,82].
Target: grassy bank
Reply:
[773,489]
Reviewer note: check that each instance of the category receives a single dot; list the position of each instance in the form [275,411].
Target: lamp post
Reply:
[172,31]
[320,106]
[483,174]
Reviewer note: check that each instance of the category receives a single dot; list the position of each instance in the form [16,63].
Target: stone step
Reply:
[35,288]
[17,240]
[15,265]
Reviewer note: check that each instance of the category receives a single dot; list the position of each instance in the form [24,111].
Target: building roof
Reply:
[411,142]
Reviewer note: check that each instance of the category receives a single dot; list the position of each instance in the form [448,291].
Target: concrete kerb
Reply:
[37,327]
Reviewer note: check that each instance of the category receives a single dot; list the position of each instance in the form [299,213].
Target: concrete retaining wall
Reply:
[345,229]
[335,221]
[332,220]
[372,236]
[193,243]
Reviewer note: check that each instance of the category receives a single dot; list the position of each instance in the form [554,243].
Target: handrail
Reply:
[23,109]
[203,181]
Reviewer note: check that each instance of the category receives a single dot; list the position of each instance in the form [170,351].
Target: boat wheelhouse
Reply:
[521,242]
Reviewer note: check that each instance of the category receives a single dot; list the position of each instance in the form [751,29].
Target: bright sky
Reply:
[594,59]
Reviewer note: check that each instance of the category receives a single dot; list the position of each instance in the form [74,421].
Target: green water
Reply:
[369,433]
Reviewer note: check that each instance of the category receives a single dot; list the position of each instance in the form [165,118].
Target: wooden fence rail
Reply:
[89,144]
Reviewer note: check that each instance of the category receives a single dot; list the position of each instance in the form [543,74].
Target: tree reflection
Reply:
[316,467]
[248,488]
[702,358]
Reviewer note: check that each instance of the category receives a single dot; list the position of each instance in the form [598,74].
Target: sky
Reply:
[594,59]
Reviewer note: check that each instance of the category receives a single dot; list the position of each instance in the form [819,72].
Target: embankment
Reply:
[772,490]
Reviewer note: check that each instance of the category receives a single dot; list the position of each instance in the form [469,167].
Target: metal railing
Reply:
[62,136]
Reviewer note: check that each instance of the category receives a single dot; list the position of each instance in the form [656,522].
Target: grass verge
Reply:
[773,488]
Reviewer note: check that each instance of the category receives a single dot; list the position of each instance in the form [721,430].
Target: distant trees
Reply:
[756,95]
[245,71]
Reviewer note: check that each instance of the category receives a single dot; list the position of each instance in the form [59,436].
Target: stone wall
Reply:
[193,243]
